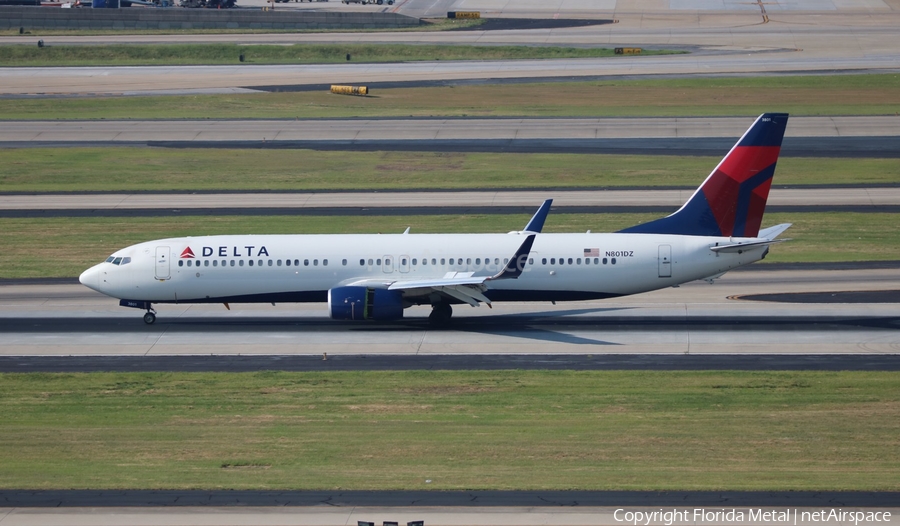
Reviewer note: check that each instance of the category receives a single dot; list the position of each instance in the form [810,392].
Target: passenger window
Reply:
[505,261]
[414,262]
[378,261]
[362,262]
[468,261]
[570,261]
[531,261]
[344,262]
[250,262]
[613,261]
[497,261]
[180,263]
[260,262]
[278,262]
[240,262]
[587,261]
[578,261]
[434,261]
[315,262]
[370,262]
[387,262]
[604,261]
[553,261]
[205,262]
[597,261]
[305,262]
[232,262]
[287,262]
[215,262]
[544,261]
[442,261]
[224,262]
[325,262]
[403,261]
[296,262]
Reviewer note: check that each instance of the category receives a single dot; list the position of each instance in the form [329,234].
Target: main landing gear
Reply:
[440,314]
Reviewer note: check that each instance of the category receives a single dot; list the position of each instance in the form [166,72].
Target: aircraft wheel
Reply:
[149,318]
[440,314]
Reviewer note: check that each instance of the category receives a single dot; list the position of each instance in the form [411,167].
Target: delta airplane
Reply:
[375,277]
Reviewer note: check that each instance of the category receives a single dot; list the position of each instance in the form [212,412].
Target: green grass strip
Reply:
[35,248]
[143,169]
[811,95]
[563,430]
[195,54]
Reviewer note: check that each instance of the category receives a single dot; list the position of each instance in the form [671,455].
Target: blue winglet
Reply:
[516,264]
[537,220]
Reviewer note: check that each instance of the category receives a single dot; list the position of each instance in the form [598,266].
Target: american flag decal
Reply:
[591,252]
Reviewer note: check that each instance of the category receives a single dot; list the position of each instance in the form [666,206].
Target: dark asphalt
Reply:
[449,362]
[851,296]
[133,498]
[848,147]
[405,211]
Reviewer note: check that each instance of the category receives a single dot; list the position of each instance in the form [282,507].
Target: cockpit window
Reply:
[126,261]
[110,259]
[117,261]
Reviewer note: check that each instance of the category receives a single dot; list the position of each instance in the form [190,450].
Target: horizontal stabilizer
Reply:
[774,231]
[739,247]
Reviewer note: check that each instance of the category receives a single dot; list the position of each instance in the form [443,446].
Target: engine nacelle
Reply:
[362,303]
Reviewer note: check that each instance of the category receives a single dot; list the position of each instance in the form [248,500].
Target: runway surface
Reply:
[838,136]
[482,500]
[439,129]
[524,201]
[696,318]
[450,362]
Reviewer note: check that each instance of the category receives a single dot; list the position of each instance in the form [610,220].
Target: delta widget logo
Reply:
[187,253]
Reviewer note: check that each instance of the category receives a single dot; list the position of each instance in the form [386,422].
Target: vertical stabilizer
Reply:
[732,200]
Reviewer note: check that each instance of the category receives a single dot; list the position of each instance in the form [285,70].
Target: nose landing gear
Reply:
[149,317]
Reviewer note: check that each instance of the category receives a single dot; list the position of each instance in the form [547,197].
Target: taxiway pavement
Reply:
[838,37]
[111,132]
[524,201]
[572,515]
[696,318]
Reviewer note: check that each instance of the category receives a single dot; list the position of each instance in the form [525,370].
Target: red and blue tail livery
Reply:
[732,200]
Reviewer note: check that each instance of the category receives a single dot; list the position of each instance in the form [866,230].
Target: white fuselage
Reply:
[279,268]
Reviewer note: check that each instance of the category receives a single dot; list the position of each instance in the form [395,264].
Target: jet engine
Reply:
[363,303]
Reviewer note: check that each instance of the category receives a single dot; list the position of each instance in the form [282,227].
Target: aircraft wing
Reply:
[466,287]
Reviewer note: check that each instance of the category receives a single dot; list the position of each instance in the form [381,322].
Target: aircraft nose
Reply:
[91,278]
